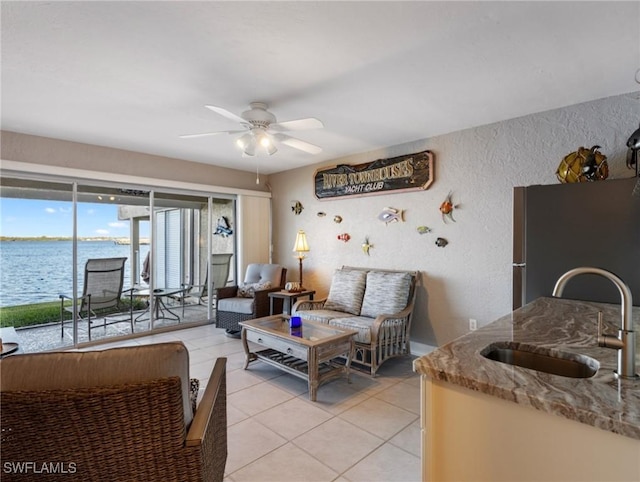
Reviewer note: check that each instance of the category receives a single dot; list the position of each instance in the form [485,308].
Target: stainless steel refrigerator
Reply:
[563,226]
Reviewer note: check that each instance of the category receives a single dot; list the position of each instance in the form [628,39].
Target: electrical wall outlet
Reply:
[473,324]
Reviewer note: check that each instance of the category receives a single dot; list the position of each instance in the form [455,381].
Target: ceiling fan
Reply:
[262,132]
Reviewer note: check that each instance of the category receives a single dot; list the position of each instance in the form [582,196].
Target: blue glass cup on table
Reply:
[295,326]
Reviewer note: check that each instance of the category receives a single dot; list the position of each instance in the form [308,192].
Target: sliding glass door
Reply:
[36,263]
[86,262]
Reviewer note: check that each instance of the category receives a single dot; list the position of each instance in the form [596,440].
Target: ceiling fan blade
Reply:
[298,124]
[298,144]
[225,113]
[193,136]
[206,134]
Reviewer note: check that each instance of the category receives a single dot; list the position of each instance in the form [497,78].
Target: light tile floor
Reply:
[367,430]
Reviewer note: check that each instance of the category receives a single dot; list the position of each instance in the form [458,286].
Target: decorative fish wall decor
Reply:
[423,229]
[337,219]
[391,215]
[344,237]
[447,207]
[441,242]
[366,246]
[223,227]
[297,207]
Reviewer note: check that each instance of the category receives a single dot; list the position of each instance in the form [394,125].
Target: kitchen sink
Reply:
[542,359]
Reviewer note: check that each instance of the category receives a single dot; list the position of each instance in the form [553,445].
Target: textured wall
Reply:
[471,277]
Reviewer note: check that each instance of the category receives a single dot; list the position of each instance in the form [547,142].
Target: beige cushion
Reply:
[59,370]
[346,292]
[322,316]
[261,273]
[387,293]
[362,324]
[236,305]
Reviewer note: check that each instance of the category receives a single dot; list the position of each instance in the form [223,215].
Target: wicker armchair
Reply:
[231,308]
[135,428]
[377,303]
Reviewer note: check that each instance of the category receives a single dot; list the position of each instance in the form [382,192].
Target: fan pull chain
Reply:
[257,173]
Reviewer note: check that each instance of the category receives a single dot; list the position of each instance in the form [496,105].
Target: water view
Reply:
[39,271]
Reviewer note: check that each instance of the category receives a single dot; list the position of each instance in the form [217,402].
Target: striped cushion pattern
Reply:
[386,293]
[347,289]
[322,316]
[361,324]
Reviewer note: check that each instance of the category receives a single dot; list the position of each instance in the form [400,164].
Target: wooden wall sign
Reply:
[403,173]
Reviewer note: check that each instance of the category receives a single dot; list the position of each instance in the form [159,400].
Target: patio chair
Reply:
[124,414]
[103,279]
[219,272]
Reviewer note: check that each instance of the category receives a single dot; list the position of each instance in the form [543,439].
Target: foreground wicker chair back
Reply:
[123,431]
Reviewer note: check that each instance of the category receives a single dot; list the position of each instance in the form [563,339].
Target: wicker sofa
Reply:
[250,299]
[377,303]
[122,414]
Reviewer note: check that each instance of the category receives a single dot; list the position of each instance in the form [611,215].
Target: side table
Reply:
[288,299]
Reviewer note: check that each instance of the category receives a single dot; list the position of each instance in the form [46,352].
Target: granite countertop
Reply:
[602,401]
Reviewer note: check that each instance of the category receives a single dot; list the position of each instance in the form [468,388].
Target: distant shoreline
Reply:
[69,238]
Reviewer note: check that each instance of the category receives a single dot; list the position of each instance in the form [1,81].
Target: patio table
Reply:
[161,310]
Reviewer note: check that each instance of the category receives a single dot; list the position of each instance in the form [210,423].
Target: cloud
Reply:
[91,211]
[117,224]
[102,231]
[50,210]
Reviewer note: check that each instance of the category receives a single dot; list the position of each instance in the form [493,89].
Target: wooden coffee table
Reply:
[306,352]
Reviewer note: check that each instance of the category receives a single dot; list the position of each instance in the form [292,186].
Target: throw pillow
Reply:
[386,293]
[248,290]
[194,386]
[347,289]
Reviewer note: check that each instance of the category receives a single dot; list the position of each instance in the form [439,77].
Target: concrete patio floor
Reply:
[48,337]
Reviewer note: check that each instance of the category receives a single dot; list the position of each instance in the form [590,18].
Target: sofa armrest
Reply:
[308,305]
[381,320]
[226,292]
[262,302]
[208,430]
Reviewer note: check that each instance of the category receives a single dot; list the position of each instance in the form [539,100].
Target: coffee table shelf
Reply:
[306,352]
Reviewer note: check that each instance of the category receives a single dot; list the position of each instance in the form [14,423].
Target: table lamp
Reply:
[300,247]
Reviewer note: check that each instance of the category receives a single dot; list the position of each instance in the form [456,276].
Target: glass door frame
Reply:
[152,190]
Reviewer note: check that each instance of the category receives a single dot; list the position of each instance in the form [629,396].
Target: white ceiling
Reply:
[136,75]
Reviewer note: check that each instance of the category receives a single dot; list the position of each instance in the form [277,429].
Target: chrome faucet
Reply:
[625,342]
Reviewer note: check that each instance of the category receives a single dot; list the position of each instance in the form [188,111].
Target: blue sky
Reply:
[29,217]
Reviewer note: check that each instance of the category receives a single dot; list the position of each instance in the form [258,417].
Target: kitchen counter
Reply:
[602,401]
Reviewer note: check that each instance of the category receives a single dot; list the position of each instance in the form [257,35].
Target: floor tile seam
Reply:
[268,408]
[230,474]
[340,474]
[371,453]
[387,439]
[306,431]
[378,447]
[397,406]
[404,450]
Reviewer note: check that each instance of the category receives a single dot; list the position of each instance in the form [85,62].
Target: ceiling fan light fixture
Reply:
[250,148]
[244,140]
[261,132]
[271,149]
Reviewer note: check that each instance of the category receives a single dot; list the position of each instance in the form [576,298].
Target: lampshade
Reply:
[301,245]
